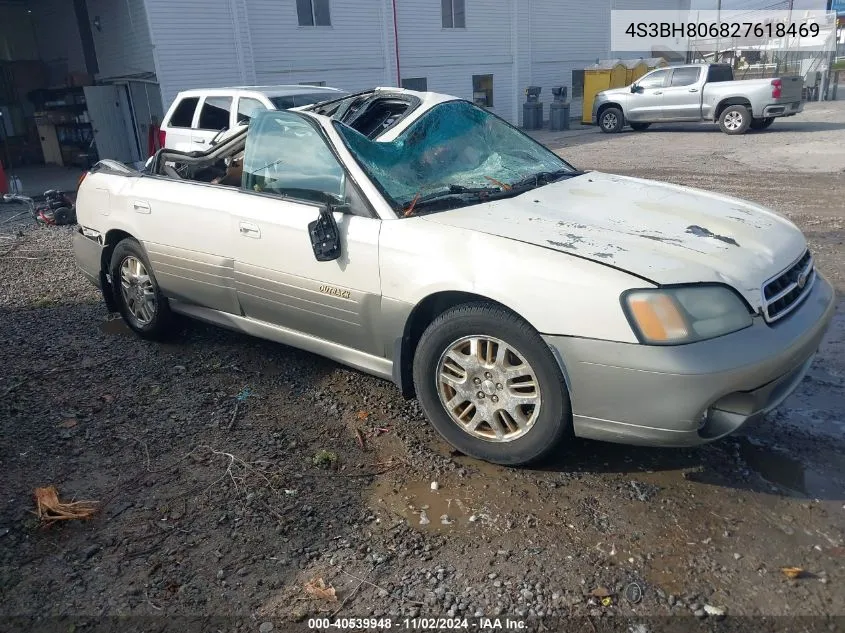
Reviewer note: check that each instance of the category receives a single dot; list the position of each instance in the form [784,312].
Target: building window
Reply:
[482,90]
[577,84]
[420,84]
[454,14]
[313,12]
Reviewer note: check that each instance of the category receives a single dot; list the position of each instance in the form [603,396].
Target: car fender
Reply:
[557,293]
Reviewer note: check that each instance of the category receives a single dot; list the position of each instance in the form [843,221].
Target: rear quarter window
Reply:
[716,74]
[183,115]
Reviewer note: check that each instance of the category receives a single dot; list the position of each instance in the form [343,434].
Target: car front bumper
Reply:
[686,395]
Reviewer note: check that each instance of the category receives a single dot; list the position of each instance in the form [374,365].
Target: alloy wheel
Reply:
[733,120]
[137,290]
[488,388]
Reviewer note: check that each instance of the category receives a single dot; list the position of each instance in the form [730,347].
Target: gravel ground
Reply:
[325,473]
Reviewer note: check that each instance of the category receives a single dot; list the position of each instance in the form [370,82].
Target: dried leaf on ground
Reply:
[49,509]
[601,592]
[360,438]
[362,415]
[69,423]
[317,587]
[792,572]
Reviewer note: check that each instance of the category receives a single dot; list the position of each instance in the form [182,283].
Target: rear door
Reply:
[682,97]
[214,116]
[289,168]
[647,103]
[185,229]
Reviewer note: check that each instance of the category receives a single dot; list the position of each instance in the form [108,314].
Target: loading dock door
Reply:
[105,107]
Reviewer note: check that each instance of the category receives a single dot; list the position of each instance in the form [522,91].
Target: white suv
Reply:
[196,116]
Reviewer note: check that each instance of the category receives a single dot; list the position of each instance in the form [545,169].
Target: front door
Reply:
[646,104]
[290,171]
[682,97]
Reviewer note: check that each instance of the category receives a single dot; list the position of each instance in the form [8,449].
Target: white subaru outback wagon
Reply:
[422,239]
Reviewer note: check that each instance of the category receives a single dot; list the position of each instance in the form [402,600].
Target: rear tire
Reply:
[480,348]
[639,127]
[137,295]
[735,119]
[611,120]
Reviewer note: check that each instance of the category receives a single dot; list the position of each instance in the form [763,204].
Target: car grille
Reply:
[785,292]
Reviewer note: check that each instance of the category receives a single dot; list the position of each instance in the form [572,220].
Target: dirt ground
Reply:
[211,505]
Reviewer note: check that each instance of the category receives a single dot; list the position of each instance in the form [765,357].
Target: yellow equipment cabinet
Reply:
[655,62]
[634,69]
[609,73]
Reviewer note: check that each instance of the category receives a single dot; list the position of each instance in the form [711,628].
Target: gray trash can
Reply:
[559,109]
[532,109]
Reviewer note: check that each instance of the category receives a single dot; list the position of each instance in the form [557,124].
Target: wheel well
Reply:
[605,106]
[731,101]
[112,239]
[420,318]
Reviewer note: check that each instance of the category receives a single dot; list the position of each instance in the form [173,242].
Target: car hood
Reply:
[614,92]
[664,233]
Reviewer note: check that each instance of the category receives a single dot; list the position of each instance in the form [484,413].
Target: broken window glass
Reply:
[454,146]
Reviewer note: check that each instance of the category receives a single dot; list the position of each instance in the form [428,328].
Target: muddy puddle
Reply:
[788,473]
[445,508]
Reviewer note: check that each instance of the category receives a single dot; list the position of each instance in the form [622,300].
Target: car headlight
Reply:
[675,315]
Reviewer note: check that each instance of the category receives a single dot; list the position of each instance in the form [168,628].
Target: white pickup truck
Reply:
[698,92]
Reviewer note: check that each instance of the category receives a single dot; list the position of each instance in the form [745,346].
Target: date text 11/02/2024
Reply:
[723,29]
[417,624]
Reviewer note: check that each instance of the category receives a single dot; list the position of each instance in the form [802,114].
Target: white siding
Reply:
[567,35]
[211,43]
[348,54]
[195,45]
[123,42]
[57,34]
[450,57]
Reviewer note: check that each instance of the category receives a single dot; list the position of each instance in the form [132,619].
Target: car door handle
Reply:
[200,141]
[693,89]
[140,206]
[658,92]
[248,229]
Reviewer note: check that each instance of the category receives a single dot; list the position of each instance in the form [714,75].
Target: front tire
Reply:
[490,385]
[611,120]
[735,119]
[140,301]
[639,127]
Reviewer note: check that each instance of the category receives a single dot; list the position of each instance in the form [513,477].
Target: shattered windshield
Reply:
[456,151]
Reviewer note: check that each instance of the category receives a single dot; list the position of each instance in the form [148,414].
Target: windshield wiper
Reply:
[544,178]
[452,192]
